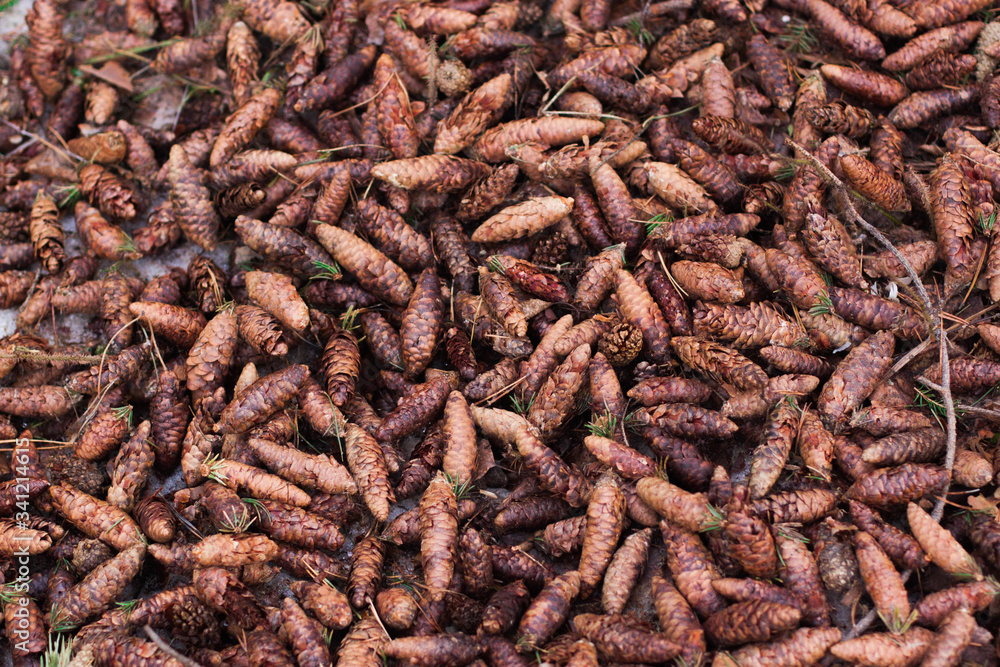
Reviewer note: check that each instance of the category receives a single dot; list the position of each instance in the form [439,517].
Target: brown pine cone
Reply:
[551,251]
[65,468]
[89,554]
[621,344]
[645,370]
[453,78]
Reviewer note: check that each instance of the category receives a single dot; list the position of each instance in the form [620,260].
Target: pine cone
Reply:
[89,554]
[551,251]
[621,344]
[192,622]
[112,195]
[527,14]
[74,471]
[452,78]
[645,370]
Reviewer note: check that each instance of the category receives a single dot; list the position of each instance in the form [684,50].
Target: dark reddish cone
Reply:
[549,609]
[624,639]
[751,621]
[505,608]
[511,564]
[415,410]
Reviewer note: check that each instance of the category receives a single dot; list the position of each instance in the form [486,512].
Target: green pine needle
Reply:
[59,652]
[799,37]
[823,307]
[123,413]
[520,407]
[348,321]
[327,271]
[604,425]
[986,223]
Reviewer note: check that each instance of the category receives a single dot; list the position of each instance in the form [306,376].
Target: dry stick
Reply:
[371,605]
[23,146]
[986,413]
[363,102]
[184,99]
[65,154]
[501,391]
[88,414]
[949,408]
[868,227]
[7,451]
[916,351]
[933,312]
[940,333]
[96,402]
[907,358]
[169,650]
[34,439]
[654,10]
[870,617]
[104,352]
[555,97]
[27,354]
[156,351]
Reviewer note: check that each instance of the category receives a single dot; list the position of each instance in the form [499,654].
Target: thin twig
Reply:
[23,146]
[907,358]
[868,227]
[565,87]
[869,618]
[362,102]
[61,443]
[950,422]
[502,391]
[949,408]
[652,11]
[180,107]
[985,413]
[7,451]
[81,423]
[916,351]
[371,605]
[169,650]
[944,389]
[27,354]
[933,314]
[67,155]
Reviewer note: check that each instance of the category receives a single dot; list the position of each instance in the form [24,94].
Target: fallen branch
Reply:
[950,422]
[27,354]
[949,458]
[941,334]
[985,413]
[856,218]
